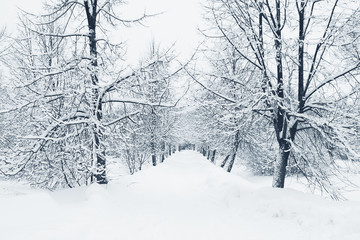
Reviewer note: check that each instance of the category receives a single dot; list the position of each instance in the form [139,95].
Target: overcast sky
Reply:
[177,24]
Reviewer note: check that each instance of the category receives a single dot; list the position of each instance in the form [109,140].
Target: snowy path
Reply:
[184,198]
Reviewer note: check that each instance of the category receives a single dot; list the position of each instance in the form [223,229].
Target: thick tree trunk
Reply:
[280,165]
[98,147]
[284,141]
[153,159]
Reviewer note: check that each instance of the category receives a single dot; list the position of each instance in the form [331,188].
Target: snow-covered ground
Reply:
[184,198]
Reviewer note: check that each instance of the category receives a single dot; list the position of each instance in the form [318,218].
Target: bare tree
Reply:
[67,73]
[304,105]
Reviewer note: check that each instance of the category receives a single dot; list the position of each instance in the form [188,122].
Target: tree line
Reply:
[281,92]
[74,102]
[278,92]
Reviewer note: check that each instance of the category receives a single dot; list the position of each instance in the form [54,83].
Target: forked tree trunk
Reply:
[284,142]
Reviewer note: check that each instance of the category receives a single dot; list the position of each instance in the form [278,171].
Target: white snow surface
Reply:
[186,198]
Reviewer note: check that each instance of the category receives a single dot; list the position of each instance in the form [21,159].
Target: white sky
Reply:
[177,24]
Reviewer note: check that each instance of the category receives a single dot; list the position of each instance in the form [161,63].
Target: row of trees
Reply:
[281,89]
[73,101]
[283,85]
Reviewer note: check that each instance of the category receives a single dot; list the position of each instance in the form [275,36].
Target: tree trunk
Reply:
[301,91]
[225,161]
[280,115]
[280,165]
[153,145]
[163,148]
[284,141]
[98,147]
[231,163]
[236,146]
[213,156]
[153,158]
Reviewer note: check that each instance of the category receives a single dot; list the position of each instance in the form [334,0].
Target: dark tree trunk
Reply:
[153,146]
[99,149]
[265,80]
[170,150]
[301,97]
[163,148]
[284,141]
[153,158]
[231,163]
[225,161]
[213,156]
[208,153]
[280,115]
[236,146]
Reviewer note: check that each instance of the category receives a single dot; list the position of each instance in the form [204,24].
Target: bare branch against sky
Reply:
[177,23]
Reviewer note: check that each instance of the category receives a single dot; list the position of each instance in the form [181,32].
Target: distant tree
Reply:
[155,85]
[225,124]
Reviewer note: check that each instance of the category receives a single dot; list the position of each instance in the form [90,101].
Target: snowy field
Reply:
[184,198]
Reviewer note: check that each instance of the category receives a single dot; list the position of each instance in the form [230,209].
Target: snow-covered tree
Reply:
[303,83]
[67,71]
[154,85]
